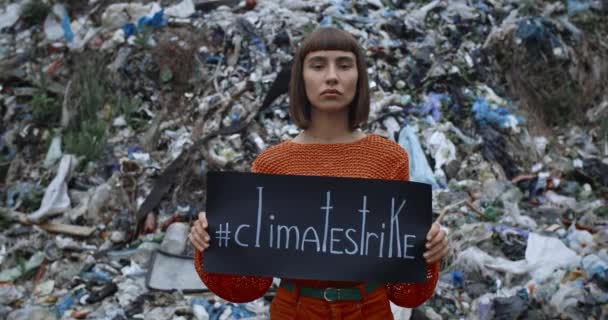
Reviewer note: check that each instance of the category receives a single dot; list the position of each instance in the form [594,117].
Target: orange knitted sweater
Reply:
[372,157]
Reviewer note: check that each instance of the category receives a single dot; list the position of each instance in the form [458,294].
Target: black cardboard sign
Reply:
[322,228]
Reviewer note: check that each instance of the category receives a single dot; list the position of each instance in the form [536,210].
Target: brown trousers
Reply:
[288,305]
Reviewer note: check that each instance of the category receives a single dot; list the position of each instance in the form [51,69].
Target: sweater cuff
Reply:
[411,295]
[234,288]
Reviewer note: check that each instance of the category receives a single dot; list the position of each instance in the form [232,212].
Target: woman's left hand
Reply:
[437,245]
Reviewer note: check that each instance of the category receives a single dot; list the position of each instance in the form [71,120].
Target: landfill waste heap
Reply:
[113,112]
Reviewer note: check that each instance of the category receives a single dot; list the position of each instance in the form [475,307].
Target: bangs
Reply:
[329,39]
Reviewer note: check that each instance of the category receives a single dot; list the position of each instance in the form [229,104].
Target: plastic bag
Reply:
[420,171]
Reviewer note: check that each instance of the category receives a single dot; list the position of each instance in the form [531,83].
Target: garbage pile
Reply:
[113,112]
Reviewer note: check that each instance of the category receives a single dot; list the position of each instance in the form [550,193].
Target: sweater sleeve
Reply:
[404,294]
[234,288]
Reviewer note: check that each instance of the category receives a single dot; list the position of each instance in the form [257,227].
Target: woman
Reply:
[329,100]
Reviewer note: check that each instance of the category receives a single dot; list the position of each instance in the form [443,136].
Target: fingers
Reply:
[438,237]
[202,219]
[198,235]
[434,229]
[198,240]
[438,250]
[440,255]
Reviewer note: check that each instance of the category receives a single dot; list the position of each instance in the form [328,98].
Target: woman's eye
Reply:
[345,66]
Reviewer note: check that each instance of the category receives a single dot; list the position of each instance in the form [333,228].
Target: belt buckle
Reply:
[328,299]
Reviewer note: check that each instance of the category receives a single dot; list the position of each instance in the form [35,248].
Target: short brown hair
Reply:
[328,38]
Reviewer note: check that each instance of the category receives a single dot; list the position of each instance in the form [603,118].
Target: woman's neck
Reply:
[326,127]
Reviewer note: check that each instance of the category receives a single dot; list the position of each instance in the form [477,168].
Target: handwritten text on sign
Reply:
[319,228]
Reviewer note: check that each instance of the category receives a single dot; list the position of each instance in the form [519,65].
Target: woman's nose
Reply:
[332,75]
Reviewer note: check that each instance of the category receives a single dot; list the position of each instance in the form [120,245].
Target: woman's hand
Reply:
[437,245]
[198,234]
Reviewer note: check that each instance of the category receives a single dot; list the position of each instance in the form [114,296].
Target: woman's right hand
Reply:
[198,234]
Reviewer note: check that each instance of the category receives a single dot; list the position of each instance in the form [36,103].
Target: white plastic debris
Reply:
[180,140]
[118,14]
[545,254]
[10,15]
[537,167]
[259,142]
[59,10]
[31,312]
[392,126]
[593,265]
[540,144]
[200,313]
[510,199]
[568,295]
[128,291]
[560,201]
[56,199]
[9,294]
[226,314]
[67,243]
[45,288]
[142,158]
[118,236]
[32,263]
[474,259]
[132,270]
[119,122]
[2,254]
[400,313]
[98,201]
[441,148]
[118,37]
[52,28]
[416,17]
[54,152]
[461,9]
[580,241]
[175,238]
[183,9]
[82,34]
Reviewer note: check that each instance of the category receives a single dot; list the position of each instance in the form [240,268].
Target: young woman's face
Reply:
[330,78]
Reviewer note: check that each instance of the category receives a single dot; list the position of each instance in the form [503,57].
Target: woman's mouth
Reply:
[331,92]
